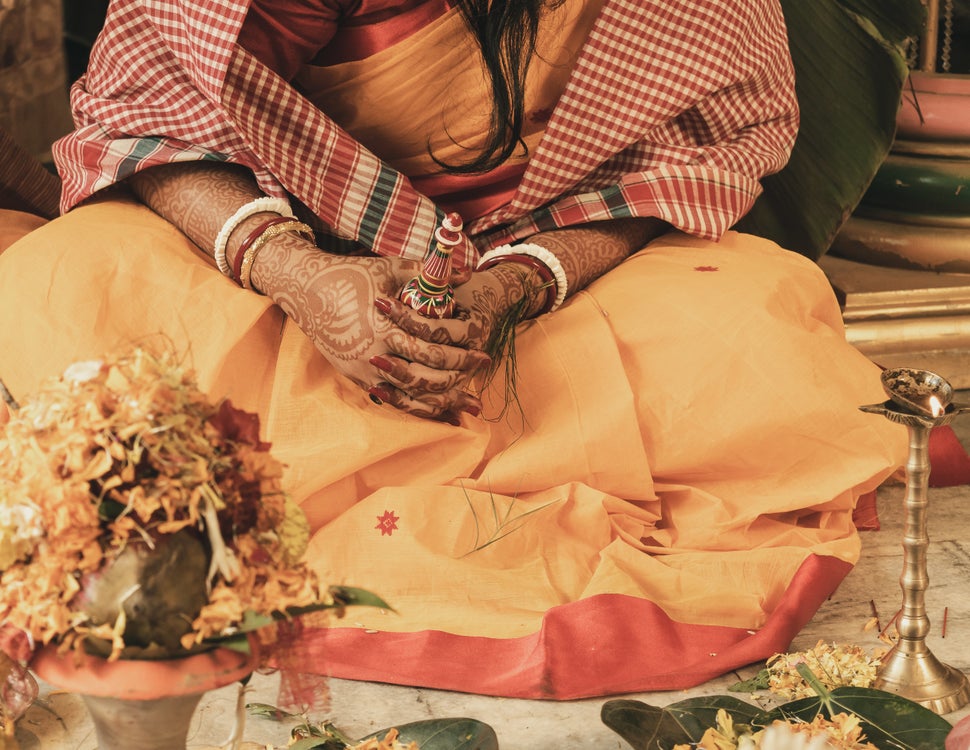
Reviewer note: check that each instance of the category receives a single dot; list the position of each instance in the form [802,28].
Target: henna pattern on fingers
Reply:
[408,377]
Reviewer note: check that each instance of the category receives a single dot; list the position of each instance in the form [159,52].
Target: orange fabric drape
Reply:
[688,445]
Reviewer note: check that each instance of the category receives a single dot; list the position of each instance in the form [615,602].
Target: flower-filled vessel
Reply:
[142,521]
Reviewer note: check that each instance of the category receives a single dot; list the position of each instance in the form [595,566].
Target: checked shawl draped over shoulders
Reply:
[675,109]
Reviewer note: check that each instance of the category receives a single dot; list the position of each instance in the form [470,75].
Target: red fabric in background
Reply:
[949,467]
[866,514]
[949,462]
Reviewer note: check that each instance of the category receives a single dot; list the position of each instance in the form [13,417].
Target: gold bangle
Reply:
[249,258]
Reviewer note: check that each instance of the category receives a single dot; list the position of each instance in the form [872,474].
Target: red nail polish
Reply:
[381,364]
[471,409]
[378,394]
[383,305]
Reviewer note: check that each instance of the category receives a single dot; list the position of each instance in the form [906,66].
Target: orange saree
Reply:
[669,498]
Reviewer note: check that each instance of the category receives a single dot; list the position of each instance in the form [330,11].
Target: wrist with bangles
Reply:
[545,264]
[241,268]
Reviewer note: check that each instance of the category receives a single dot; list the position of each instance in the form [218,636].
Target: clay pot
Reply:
[934,108]
[160,588]
[142,703]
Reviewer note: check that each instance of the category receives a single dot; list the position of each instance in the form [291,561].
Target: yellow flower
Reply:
[835,665]
[128,448]
[724,735]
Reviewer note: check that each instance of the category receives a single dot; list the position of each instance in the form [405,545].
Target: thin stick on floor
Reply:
[7,397]
[889,624]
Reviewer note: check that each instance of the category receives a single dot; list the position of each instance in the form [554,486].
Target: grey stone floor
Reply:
[59,721]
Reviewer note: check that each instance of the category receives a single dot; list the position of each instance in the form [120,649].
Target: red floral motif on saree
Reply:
[387,523]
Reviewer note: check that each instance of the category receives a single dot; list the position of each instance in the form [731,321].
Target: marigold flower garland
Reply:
[127,452]
[834,664]
[831,665]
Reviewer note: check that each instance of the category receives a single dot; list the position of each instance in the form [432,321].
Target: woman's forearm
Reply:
[198,198]
[587,252]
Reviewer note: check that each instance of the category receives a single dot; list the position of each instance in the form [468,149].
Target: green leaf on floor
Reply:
[650,727]
[430,734]
[445,734]
[759,682]
[890,722]
[317,743]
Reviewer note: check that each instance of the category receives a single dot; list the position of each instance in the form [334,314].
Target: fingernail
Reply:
[452,420]
[384,305]
[381,364]
[471,409]
[378,395]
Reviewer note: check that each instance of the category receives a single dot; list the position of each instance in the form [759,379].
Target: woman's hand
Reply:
[348,307]
[489,304]
[404,359]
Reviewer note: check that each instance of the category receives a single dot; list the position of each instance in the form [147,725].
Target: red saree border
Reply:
[605,645]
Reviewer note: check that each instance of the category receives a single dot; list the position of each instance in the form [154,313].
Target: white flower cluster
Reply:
[20,528]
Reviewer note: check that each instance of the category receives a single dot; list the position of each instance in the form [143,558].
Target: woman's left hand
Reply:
[487,300]
[347,305]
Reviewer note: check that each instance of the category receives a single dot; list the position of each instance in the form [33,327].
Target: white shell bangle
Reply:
[259,205]
[541,254]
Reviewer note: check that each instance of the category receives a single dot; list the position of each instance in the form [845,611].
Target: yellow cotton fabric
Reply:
[688,433]
[431,89]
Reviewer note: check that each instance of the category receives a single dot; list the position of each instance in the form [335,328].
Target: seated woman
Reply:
[657,484]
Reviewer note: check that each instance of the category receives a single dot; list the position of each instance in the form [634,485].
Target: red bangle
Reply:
[541,269]
[241,252]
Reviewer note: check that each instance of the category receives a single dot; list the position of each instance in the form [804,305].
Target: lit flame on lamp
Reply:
[936,406]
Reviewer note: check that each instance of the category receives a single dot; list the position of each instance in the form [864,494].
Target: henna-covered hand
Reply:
[340,303]
[487,304]
[348,306]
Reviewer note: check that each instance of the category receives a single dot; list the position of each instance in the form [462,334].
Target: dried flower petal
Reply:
[125,448]
[835,665]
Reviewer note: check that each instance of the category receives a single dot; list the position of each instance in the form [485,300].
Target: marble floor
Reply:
[59,721]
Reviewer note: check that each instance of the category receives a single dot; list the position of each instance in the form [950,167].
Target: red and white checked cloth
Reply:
[675,109]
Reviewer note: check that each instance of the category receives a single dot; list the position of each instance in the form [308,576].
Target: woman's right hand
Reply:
[332,298]
[337,302]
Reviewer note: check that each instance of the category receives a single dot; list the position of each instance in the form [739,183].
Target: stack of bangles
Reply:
[242,267]
[542,261]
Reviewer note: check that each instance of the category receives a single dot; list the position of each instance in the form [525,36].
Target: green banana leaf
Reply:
[647,727]
[890,722]
[429,734]
[343,596]
[850,71]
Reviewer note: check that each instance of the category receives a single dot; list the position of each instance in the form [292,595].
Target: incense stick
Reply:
[7,397]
